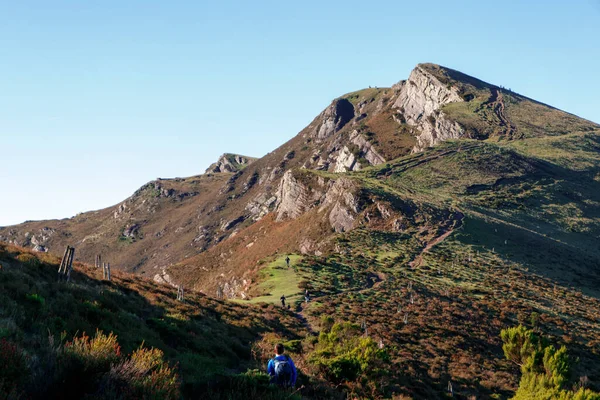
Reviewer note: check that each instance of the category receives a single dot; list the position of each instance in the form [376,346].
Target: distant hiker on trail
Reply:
[282,298]
[287,261]
[306,296]
[282,369]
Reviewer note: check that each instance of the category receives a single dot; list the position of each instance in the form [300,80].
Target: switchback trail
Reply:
[419,259]
[382,278]
[496,104]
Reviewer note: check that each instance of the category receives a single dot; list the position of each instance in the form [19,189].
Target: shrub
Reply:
[342,354]
[546,370]
[95,354]
[327,322]
[145,375]
[521,346]
[36,300]
[13,370]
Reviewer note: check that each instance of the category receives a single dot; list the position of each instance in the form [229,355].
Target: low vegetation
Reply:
[547,371]
[128,338]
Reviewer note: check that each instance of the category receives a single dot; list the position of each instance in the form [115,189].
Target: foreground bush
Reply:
[145,375]
[546,370]
[251,385]
[95,354]
[86,367]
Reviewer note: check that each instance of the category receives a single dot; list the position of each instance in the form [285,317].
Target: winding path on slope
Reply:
[496,103]
[418,260]
[415,263]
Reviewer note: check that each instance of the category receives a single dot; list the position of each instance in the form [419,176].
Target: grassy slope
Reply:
[277,280]
[527,246]
[207,339]
[523,247]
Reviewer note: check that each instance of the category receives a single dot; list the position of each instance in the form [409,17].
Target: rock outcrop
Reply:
[260,206]
[292,197]
[338,114]
[344,203]
[420,100]
[345,160]
[229,163]
[340,198]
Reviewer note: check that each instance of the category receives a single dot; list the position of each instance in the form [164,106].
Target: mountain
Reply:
[432,214]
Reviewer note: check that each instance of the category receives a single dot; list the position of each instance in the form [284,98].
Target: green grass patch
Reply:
[277,280]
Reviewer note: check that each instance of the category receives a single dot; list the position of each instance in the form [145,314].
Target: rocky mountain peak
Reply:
[420,100]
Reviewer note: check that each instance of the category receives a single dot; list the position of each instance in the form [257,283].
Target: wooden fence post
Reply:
[66,265]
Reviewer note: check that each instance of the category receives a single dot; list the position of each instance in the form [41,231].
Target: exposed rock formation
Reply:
[338,114]
[339,197]
[345,161]
[366,149]
[131,231]
[230,163]
[260,206]
[292,197]
[420,100]
[344,203]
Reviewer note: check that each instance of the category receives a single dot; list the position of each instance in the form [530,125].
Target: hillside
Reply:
[429,216]
[169,220]
[209,343]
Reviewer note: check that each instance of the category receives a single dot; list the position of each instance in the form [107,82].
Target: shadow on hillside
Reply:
[209,340]
[564,263]
[553,232]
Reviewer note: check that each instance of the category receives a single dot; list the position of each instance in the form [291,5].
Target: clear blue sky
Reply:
[99,97]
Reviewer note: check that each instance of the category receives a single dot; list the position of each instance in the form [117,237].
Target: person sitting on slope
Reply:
[281,368]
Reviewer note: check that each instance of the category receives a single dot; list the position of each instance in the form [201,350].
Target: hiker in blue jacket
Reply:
[282,369]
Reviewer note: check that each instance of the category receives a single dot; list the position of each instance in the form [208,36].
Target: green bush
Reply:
[546,370]
[343,355]
[522,346]
[36,300]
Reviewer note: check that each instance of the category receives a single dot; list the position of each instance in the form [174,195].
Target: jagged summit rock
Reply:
[230,163]
[420,100]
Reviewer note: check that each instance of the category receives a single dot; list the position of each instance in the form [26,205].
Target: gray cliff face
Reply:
[292,197]
[338,114]
[420,100]
[345,160]
[366,149]
[339,198]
